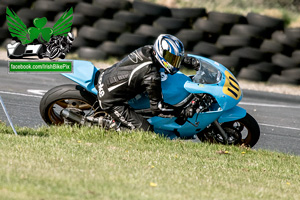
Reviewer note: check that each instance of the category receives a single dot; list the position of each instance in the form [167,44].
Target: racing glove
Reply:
[166,110]
[184,114]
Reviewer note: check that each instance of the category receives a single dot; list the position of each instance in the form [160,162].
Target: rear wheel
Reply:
[41,52]
[71,97]
[243,131]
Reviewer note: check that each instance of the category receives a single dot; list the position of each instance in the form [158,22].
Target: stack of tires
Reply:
[254,47]
[276,52]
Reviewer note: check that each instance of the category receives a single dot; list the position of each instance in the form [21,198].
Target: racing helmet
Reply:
[70,37]
[169,52]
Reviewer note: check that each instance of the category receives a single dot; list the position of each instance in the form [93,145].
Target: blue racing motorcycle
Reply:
[210,98]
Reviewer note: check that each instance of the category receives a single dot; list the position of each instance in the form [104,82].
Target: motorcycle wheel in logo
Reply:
[39,40]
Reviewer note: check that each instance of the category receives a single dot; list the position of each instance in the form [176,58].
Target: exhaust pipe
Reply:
[100,121]
[69,115]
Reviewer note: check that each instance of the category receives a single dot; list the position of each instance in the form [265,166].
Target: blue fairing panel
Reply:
[173,87]
[83,74]
[233,114]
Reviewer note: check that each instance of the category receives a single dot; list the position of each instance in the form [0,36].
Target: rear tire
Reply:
[66,96]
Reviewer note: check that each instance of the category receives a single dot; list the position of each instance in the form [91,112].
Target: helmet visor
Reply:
[174,60]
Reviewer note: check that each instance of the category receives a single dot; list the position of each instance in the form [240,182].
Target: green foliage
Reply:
[287,17]
[91,163]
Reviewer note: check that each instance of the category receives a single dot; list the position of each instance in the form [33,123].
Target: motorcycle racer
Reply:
[139,72]
[59,46]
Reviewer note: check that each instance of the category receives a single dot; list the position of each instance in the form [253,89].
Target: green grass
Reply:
[90,163]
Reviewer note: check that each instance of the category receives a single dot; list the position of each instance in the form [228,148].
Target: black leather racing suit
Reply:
[134,74]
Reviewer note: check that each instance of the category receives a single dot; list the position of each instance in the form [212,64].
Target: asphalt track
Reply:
[277,114]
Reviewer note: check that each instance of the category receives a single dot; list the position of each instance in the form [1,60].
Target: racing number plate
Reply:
[231,87]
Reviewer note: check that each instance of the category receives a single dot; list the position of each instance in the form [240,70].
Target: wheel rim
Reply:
[238,132]
[56,107]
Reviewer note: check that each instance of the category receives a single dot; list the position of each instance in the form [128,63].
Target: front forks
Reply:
[221,131]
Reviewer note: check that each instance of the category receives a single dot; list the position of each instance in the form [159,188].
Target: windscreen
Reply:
[207,74]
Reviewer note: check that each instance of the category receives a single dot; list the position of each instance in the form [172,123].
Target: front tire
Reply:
[66,96]
[243,132]
[55,52]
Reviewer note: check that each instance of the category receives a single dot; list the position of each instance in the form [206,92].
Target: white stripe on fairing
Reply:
[137,68]
[269,105]
[19,94]
[114,87]
[284,127]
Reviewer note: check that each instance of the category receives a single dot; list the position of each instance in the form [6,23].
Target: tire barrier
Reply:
[254,47]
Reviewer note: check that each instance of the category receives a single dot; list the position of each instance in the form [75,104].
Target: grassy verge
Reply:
[88,163]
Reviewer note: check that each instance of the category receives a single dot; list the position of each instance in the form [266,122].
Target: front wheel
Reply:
[243,131]
[55,52]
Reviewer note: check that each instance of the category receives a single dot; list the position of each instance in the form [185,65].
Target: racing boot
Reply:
[109,123]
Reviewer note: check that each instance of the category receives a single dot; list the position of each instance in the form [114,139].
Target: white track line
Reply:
[284,127]
[242,103]
[269,105]
[20,94]
[38,92]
